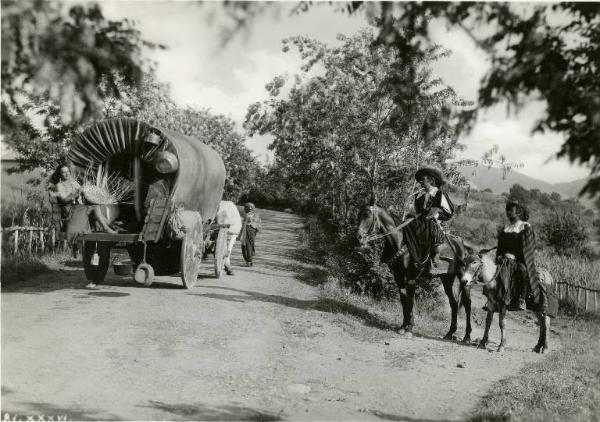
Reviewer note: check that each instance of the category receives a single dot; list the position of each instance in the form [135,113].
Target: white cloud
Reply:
[513,136]
[465,67]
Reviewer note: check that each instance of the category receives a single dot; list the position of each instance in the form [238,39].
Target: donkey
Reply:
[483,267]
[375,223]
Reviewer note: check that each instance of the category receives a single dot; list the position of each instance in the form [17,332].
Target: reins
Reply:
[372,237]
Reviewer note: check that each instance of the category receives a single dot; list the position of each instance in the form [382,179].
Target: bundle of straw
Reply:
[102,188]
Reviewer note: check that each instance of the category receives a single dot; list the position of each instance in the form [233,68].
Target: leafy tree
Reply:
[52,65]
[347,133]
[566,233]
[519,193]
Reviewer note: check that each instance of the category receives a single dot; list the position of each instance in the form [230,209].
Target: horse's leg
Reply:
[410,301]
[404,303]
[398,271]
[448,282]
[488,323]
[466,298]
[544,323]
[501,324]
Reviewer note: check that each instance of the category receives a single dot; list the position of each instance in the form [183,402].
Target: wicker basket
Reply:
[123,268]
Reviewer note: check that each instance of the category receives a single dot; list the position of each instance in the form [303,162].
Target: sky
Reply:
[203,73]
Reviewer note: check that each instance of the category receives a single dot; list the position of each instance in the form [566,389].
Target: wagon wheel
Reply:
[220,252]
[191,256]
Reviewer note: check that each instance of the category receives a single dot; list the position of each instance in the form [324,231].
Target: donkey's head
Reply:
[479,267]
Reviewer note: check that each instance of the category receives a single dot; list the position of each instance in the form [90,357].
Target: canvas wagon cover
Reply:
[201,175]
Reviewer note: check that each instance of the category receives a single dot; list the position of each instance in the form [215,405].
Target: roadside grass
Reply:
[564,386]
[577,271]
[20,270]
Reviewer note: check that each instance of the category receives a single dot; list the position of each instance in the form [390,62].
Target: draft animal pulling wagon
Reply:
[168,221]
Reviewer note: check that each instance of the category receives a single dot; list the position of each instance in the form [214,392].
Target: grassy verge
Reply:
[564,386]
[19,269]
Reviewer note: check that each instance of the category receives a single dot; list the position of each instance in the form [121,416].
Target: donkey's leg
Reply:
[546,324]
[448,282]
[501,323]
[488,323]
[466,297]
[540,343]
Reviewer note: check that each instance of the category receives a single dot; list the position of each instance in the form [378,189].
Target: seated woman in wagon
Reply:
[69,194]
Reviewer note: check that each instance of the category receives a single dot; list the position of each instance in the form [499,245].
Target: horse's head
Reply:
[370,224]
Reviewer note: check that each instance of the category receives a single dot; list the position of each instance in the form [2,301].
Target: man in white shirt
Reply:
[229,214]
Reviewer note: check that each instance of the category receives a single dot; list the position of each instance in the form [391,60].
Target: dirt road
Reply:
[260,345]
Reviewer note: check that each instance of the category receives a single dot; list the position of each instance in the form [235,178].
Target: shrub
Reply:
[565,232]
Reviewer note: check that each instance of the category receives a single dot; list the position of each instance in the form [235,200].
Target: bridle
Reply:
[376,226]
[477,272]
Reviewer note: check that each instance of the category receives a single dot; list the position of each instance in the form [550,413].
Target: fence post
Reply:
[52,238]
[567,292]
[586,300]
[595,302]
[559,290]
[42,245]
[16,241]
[30,240]
[578,296]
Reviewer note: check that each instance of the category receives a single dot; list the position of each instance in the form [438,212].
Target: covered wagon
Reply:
[166,220]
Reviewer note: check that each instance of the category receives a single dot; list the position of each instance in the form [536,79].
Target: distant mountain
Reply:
[574,187]
[483,178]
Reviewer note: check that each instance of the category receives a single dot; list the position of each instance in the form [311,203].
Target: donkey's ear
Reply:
[469,248]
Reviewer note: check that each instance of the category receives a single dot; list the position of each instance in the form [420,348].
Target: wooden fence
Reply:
[574,293]
[28,240]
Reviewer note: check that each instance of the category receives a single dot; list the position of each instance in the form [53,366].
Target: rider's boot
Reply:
[435,259]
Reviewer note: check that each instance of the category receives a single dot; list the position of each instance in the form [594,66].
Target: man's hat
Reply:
[435,174]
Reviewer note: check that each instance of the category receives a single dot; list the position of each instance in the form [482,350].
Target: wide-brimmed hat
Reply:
[435,174]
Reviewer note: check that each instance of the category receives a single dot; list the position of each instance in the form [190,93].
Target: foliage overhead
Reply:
[63,55]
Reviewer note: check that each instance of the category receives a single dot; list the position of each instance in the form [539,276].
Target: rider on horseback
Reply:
[424,236]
